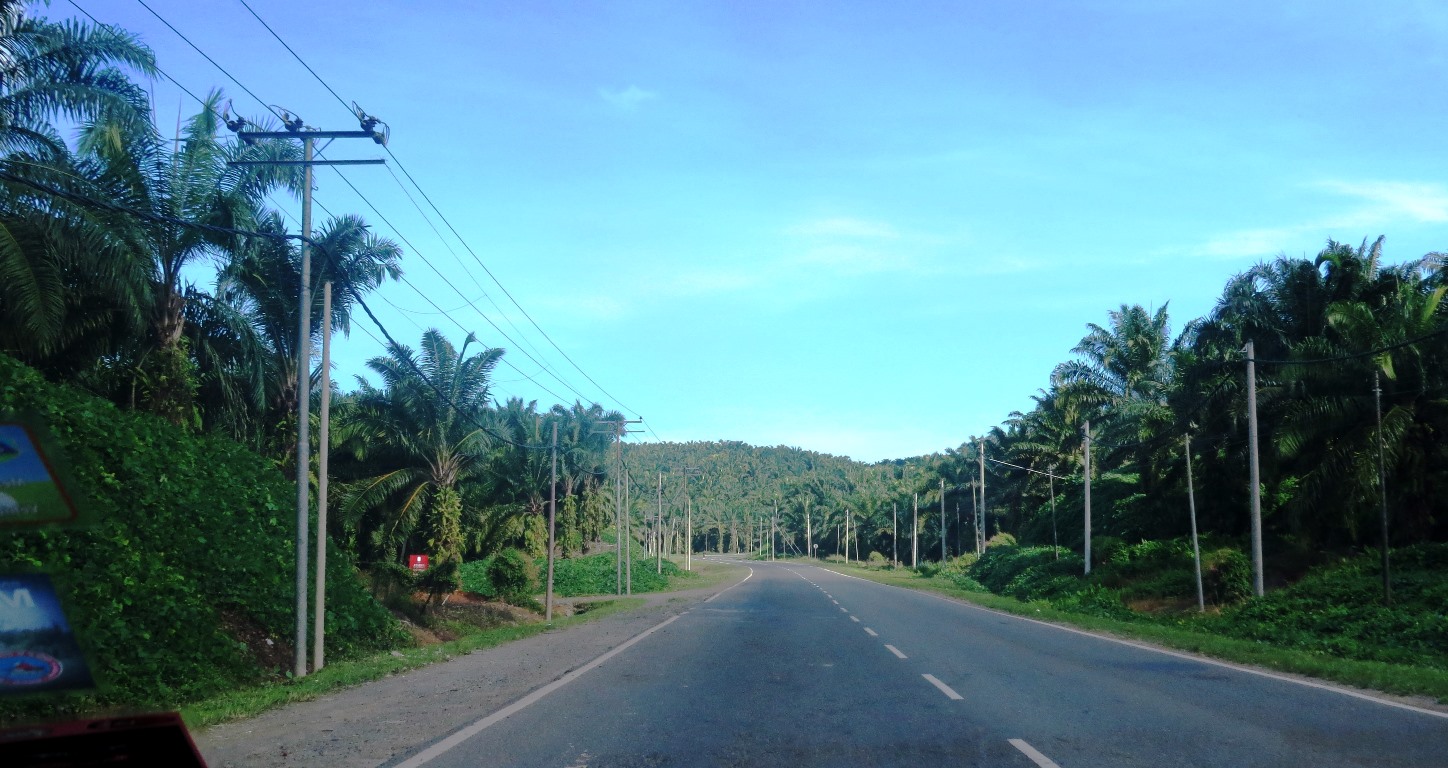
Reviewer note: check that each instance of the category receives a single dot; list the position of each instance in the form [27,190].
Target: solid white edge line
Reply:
[467,732]
[1176,654]
[1031,752]
[945,689]
[871,632]
[896,651]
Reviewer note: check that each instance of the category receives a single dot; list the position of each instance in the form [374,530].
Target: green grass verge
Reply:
[1401,679]
[251,701]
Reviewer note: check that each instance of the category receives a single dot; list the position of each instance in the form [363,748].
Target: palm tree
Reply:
[62,291]
[259,285]
[191,195]
[424,429]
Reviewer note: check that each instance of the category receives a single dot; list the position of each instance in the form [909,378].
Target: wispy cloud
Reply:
[1392,200]
[627,99]
[844,227]
[1363,206]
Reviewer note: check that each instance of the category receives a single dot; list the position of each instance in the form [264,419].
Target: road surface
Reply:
[798,666]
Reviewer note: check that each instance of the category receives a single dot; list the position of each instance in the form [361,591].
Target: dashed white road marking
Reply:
[846,610]
[897,652]
[1180,655]
[854,618]
[836,602]
[1031,752]
[871,632]
[945,689]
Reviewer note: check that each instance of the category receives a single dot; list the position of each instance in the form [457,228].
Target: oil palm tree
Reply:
[61,291]
[423,431]
[190,195]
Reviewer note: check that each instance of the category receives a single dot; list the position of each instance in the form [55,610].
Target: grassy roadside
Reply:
[252,701]
[1400,679]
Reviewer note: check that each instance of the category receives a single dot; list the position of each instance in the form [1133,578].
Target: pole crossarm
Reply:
[310,134]
[375,161]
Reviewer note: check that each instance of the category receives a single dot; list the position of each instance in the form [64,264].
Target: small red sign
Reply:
[417,562]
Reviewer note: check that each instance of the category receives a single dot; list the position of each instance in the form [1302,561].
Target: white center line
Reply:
[836,602]
[854,618]
[945,689]
[871,632]
[1030,751]
[897,652]
[846,610]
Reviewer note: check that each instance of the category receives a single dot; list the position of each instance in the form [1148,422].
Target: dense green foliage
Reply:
[575,576]
[174,572]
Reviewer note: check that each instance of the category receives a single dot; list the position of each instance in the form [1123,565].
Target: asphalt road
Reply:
[802,666]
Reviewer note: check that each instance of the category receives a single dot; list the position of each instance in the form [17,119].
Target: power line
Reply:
[446,222]
[204,55]
[86,200]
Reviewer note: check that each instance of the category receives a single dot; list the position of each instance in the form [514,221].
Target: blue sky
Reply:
[866,229]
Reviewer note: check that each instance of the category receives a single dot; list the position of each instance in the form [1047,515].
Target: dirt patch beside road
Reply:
[384,720]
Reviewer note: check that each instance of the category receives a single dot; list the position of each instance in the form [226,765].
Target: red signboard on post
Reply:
[417,562]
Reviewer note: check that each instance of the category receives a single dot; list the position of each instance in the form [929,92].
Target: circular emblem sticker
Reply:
[27,668]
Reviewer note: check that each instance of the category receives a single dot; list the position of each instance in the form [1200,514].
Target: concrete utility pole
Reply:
[689,522]
[943,556]
[628,537]
[1382,488]
[808,543]
[915,530]
[773,528]
[552,517]
[319,598]
[659,530]
[618,429]
[980,533]
[295,131]
[1055,543]
[895,537]
[1192,508]
[1254,469]
[1086,466]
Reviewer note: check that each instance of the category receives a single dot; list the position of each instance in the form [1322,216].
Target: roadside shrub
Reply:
[834,558]
[596,575]
[475,579]
[876,560]
[928,569]
[965,582]
[1001,540]
[514,576]
[1338,610]
[1226,575]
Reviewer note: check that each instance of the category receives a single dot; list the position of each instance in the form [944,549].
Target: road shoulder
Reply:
[380,721]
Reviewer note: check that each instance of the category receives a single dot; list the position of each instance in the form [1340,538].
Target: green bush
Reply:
[194,540]
[927,569]
[1339,610]
[876,560]
[514,576]
[1001,540]
[596,575]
